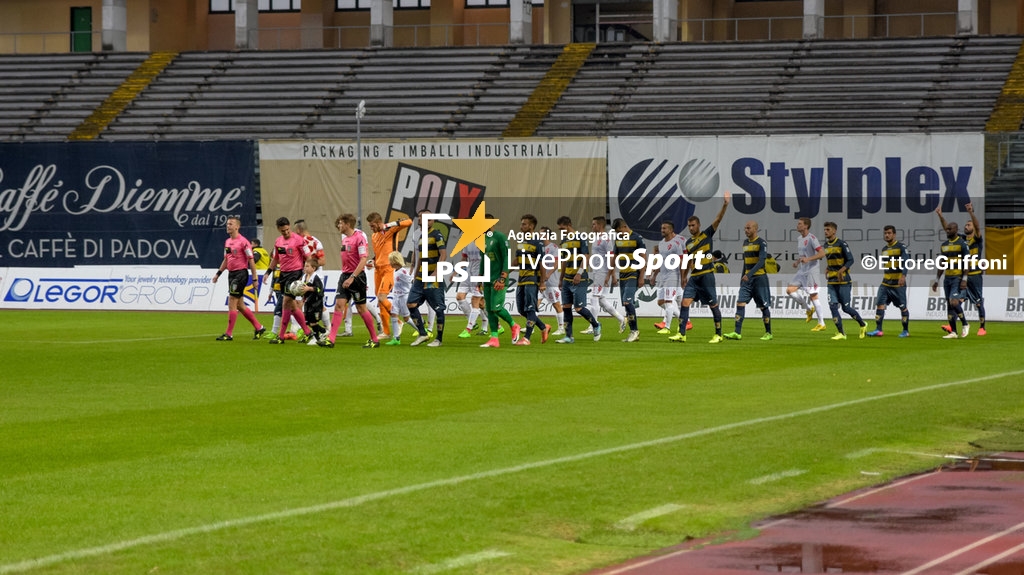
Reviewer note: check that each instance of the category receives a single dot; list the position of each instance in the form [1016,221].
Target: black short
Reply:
[286,279]
[355,292]
[238,280]
[313,316]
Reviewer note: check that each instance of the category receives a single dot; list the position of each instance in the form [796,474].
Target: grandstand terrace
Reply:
[963,83]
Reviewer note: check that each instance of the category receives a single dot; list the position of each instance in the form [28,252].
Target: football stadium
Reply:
[269,270]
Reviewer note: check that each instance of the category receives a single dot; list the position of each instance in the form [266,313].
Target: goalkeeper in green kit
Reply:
[496,253]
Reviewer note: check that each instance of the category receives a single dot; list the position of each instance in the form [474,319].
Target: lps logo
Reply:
[473,230]
[55,290]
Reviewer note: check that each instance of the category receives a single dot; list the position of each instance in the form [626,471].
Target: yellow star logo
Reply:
[473,229]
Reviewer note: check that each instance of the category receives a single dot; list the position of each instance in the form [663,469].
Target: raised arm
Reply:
[721,212]
[942,220]
[974,220]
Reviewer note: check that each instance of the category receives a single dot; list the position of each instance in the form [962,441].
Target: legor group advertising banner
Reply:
[862,183]
[85,224]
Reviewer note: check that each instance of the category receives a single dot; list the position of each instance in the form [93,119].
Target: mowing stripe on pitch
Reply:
[30,564]
[126,340]
[630,523]
[773,477]
[460,561]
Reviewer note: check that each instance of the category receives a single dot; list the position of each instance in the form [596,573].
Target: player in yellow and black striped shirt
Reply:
[700,285]
[838,261]
[894,282]
[975,277]
[528,255]
[954,249]
[574,280]
[754,283]
[626,244]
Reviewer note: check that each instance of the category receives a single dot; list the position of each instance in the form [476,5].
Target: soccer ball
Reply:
[297,288]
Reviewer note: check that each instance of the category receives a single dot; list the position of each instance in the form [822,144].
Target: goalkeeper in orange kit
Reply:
[385,240]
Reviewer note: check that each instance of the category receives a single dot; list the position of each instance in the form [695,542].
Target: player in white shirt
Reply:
[803,288]
[550,282]
[669,281]
[601,277]
[399,296]
[471,307]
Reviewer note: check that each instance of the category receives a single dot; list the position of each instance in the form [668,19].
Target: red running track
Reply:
[952,521]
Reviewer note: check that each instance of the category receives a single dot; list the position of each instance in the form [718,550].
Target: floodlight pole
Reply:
[360,112]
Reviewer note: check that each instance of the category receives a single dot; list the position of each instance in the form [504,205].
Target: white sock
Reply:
[394,328]
[277,324]
[561,321]
[348,318]
[327,318]
[432,317]
[465,306]
[798,297]
[374,310]
[474,313]
[295,324]
[817,310]
[607,306]
[666,314]
[673,312]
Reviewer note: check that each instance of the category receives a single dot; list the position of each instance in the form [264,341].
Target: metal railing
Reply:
[718,29]
[835,27]
[488,34]
[403,35]
[46,42]
[1006,143]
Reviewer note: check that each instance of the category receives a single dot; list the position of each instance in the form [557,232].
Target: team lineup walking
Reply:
[530,265]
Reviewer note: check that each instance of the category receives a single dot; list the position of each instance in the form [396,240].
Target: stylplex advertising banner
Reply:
[120,204]
[318,181]
[862,183]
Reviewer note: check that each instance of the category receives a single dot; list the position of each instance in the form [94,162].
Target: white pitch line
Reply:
[873,450]
[647,562]
[772,477]
[853,498]
[975,568]
[461,561]
[871,492]
[630,523]
[166,536]
[962,550]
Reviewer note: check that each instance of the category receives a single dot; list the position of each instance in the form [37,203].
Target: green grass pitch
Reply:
[135,443]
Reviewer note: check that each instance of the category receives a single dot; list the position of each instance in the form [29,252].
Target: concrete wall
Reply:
[188,25]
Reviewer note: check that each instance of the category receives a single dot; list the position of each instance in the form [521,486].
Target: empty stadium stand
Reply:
[1004,192]
[43,97]
[909,85]
[811,86]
